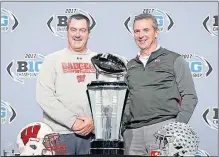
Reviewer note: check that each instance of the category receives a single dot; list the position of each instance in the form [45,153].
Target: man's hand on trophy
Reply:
[85,127]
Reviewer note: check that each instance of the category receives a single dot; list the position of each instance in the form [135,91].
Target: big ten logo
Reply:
[8,113]
[210,24]
[210,117]
[164,20]
[159,17]
[25,69]
[57,24]
[199,66]
[8,21]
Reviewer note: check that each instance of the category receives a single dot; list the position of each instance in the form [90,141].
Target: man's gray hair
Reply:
[79,17]
[147,16]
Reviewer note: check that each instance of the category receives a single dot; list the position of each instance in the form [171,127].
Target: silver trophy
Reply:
[107,96]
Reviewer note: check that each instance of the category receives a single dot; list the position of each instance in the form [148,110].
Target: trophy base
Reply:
[107,147]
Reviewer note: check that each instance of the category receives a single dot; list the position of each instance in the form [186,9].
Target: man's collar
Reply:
[158,46]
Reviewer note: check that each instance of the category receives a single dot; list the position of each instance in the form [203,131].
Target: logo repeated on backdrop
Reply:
[199,66]
[27,68]
[165,22]
[57,23]
[210,117]
[8,21]
[210,23]
[8,113]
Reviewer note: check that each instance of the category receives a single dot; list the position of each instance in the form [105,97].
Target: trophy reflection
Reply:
[107,96]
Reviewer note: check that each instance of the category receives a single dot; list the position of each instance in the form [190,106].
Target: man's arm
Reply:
[46,95]
[126,112]
[126,117]
[186,88]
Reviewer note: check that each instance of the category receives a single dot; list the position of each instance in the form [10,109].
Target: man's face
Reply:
[78,35]
[145,34]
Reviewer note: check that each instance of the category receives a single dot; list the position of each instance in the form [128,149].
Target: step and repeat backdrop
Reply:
[31,30]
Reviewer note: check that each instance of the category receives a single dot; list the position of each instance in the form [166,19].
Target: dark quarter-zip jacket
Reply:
[161,90]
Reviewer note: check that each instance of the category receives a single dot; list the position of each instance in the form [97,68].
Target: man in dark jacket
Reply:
[161,89]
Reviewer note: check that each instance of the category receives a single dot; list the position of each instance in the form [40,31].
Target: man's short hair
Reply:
[79,17]
[147,16]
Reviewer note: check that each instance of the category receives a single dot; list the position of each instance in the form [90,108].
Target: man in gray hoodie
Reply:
[61,88]
[161,89]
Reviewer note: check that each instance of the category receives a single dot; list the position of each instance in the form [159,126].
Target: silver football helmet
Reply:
[176,139]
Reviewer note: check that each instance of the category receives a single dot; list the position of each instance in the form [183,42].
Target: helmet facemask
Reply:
[52,145]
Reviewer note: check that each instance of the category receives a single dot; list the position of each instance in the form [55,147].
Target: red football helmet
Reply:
[37,138]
